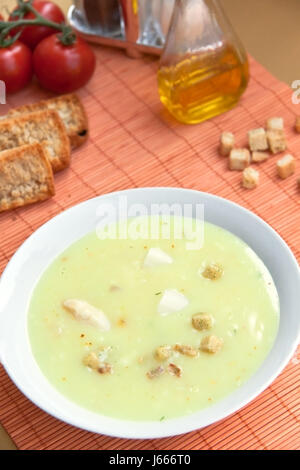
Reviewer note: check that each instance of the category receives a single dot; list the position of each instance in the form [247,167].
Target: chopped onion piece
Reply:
[172,301]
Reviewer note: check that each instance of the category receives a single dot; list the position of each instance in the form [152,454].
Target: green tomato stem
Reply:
[67,37]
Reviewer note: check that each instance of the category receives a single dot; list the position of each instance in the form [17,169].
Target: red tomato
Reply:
[63,69]
[32,35]
[15,66]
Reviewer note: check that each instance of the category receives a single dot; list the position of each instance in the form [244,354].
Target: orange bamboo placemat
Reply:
[134,142]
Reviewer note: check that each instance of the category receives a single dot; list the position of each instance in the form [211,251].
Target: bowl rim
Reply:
[183,423]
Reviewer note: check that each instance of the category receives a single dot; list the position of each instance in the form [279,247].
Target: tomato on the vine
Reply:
[15,66]
[63,68]
[32,35]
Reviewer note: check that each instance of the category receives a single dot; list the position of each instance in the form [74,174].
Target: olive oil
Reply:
[204,84]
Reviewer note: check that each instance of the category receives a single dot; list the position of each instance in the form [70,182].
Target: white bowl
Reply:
[36,253]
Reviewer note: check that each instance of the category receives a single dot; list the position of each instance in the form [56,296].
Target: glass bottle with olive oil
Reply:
[204,68]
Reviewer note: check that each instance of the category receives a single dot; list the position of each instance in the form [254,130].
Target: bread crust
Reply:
[44,127]
[70,110]
[25,176]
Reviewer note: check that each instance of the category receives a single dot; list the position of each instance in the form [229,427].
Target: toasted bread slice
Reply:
[71,112]
[44,127]
[25,176]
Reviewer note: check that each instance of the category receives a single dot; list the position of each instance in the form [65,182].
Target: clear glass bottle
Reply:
[204,68]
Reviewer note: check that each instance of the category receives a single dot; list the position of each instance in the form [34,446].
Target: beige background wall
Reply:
[270,30]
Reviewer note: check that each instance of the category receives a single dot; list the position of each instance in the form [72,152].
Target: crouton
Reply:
[297,124]
[157,372]
[93,361]
[286,166]
[227,142]
[25,176]
[239,159]
[258,139]
[173,369]
[275,124]
[163,353]
[258,157]
[211,344]
[70,110]
[105,368]
[213,272]
[44,127]
[185,350]
[250,178]
[277,141]
[202,321]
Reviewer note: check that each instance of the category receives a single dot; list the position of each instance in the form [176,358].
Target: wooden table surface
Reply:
[270,31]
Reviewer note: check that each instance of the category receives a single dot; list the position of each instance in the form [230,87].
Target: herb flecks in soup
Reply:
[140,329]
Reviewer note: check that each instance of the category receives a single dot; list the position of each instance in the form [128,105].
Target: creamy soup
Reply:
[148,330]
